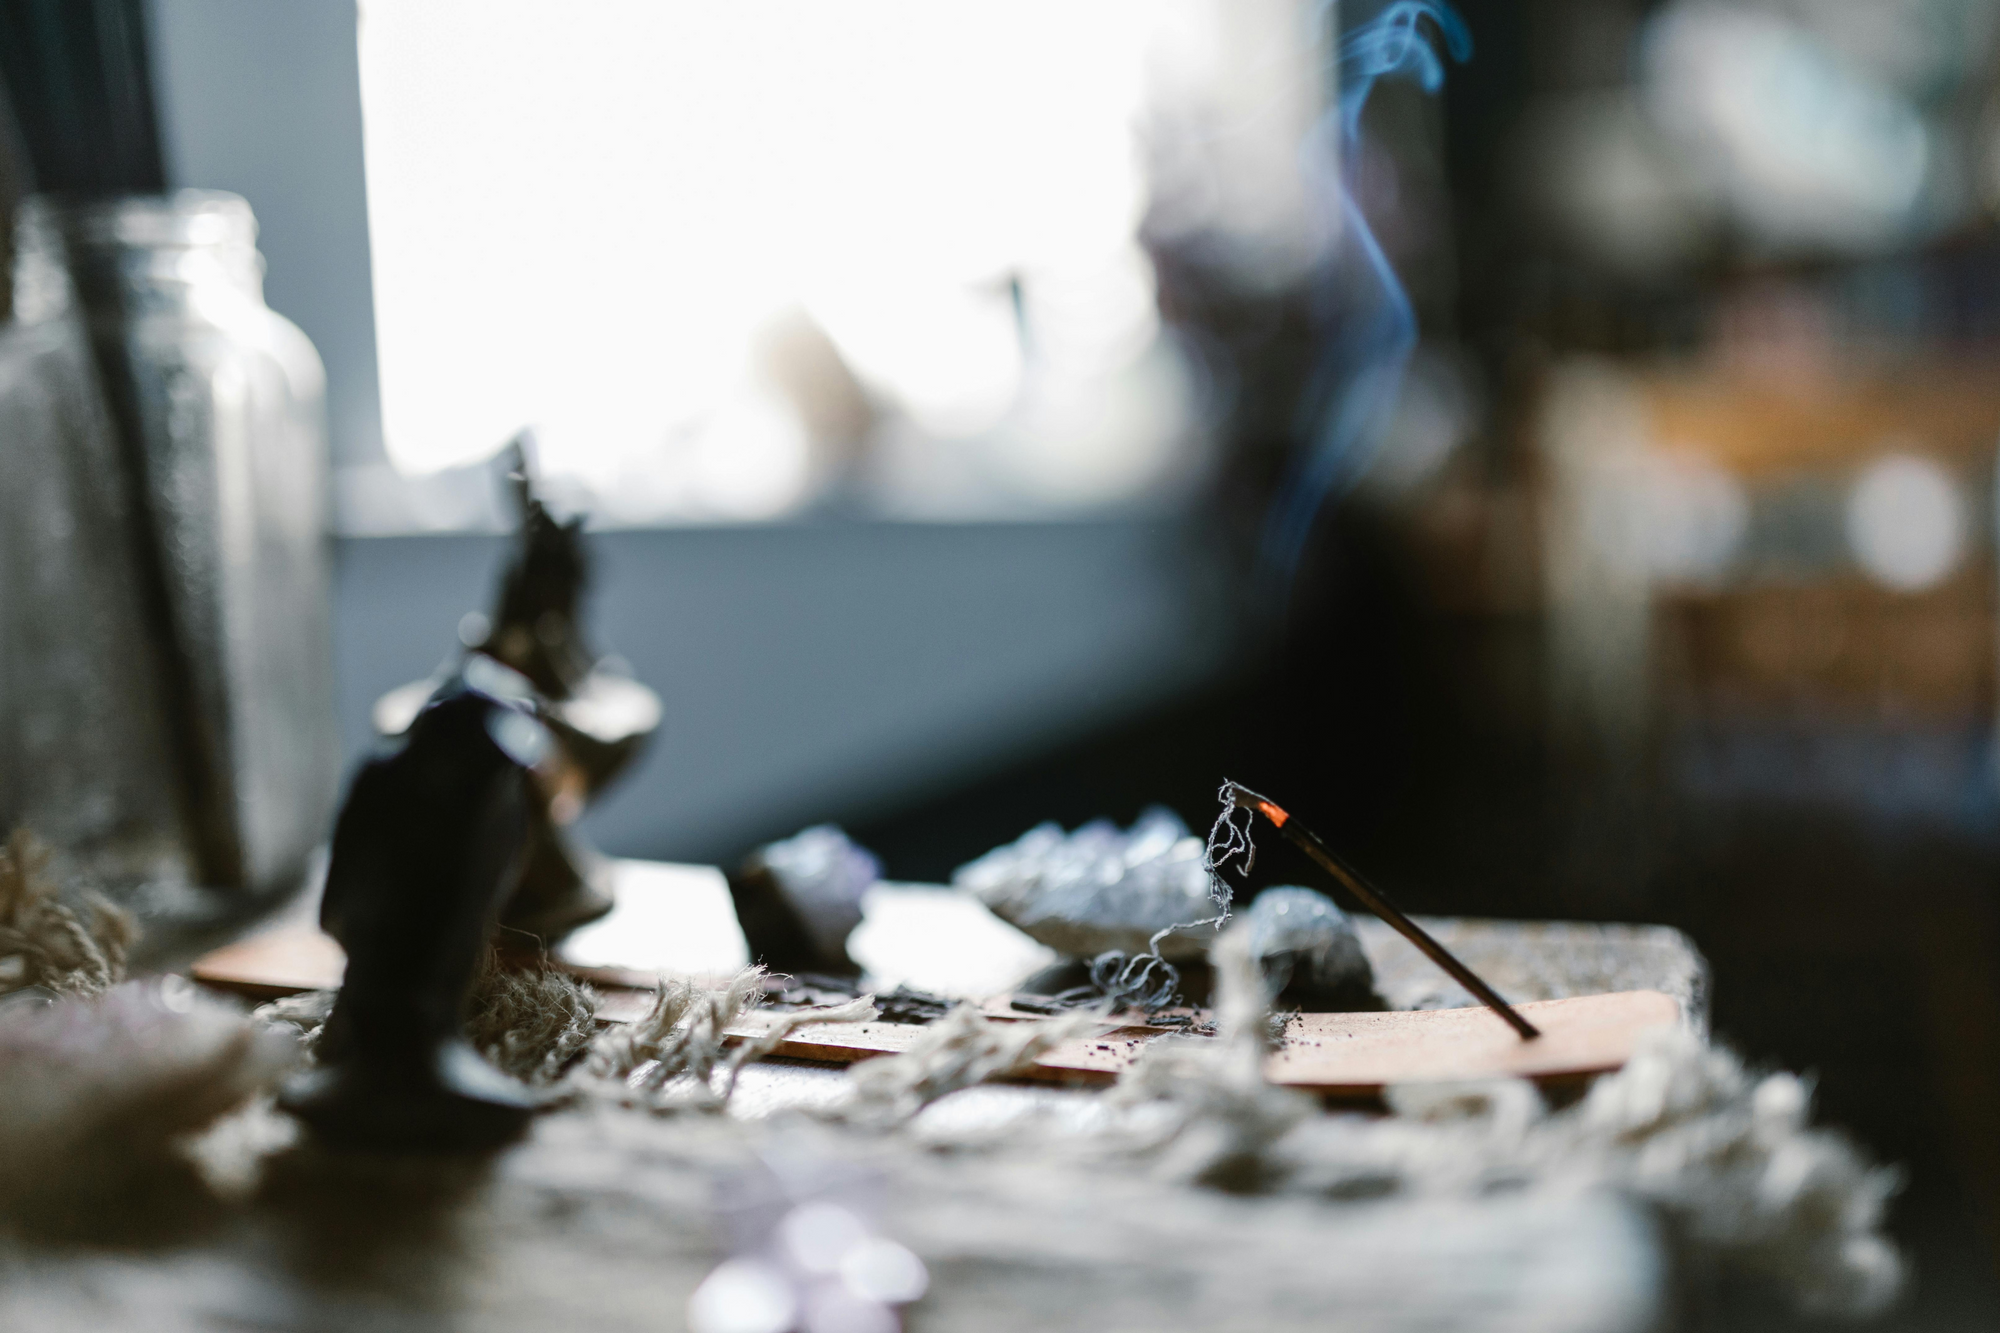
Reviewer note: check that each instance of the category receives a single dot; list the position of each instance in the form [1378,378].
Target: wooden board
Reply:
[294,959]
[1360,1053]
[1340,1054]
[285,961]
[1097,1060]
[290,960]
[1336,1054]
[675,919]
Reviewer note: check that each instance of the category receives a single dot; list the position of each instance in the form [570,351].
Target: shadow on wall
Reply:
[819,671]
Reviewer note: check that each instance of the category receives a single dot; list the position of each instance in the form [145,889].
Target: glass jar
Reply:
[165,638]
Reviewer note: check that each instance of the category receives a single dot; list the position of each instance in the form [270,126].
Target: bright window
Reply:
[729,258]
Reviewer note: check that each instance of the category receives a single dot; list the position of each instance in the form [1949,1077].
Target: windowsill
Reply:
[377,501]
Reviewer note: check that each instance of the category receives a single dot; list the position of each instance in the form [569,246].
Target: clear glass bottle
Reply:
[165,638]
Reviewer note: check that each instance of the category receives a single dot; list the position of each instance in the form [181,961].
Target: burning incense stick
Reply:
[1376,902]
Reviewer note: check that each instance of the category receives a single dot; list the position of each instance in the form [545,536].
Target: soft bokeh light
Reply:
[743,1296]
[1808,146]
[1906,522]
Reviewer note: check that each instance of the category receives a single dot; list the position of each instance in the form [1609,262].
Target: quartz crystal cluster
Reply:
[823,874]
[1100,888]
[1309,951]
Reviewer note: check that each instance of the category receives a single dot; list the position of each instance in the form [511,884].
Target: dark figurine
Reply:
[431,842]
[535,628]
[600,719]
[456,832]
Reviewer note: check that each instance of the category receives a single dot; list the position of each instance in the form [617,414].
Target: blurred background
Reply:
[1553,455]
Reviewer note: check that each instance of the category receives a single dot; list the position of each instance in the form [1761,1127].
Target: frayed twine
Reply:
[1730,1159]
[101,1091]
[678,1056]
[1227,842]
[532,1023]
[1727,1158]
[1144,981]
[107,1082]
[1148,982]
[539,1024]
[47,944]
[960,1050]
[1202,1106]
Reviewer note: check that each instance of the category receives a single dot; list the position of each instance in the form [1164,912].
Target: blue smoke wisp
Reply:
[1357,299]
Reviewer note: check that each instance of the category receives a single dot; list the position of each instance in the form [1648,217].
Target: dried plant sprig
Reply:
[69,950]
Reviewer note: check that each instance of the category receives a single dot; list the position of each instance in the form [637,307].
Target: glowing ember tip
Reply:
[1273,813]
